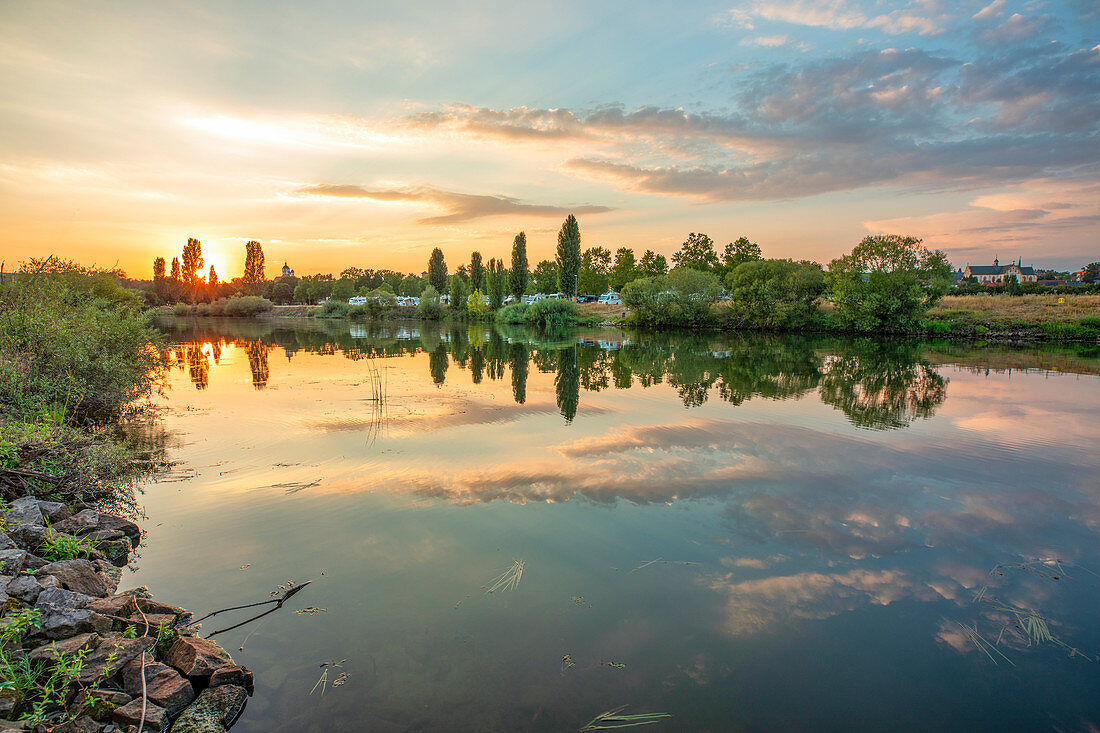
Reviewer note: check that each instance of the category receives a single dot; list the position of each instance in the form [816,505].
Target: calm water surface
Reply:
[747,533]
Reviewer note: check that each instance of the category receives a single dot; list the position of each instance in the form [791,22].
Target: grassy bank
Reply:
[1042,317]
[76,354]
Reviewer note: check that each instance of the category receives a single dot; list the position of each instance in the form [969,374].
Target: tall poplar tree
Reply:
[519,266]
[158,268]
[176,268]
[212,278]
[253,265]
[569,256]
[477,272]
[437,270]
[192,261]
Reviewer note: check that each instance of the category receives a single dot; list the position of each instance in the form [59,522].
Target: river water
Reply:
[746,533]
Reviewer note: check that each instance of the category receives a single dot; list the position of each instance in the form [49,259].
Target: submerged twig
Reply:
[509,579]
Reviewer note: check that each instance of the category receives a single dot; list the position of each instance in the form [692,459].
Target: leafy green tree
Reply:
[477,272]
[412,285]
[496,279]
[741,250]
[653,265]
[1091,272]
[624,270]
[683,297]
[697,252]
[518,280]
[774,294]
[283,292]
[569,255]
[437,270]
[429,307]
[887,283]
[477,308]
[595,266]
[458,294]
[343,289]
[545,277]
[301,291]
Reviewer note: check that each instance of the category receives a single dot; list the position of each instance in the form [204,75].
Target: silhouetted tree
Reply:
[518,362]
[175,269]
[567,385]
[192,261]
[253,266]
[158,269]
[212,279]
[437,364]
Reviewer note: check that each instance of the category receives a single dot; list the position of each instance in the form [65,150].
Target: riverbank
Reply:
[80,657]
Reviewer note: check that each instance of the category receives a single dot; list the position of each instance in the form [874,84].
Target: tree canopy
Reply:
[569,255]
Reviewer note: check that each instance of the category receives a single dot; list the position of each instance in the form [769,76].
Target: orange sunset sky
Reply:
[365,134]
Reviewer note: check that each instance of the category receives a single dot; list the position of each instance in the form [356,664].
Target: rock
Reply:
[117,551]
[101,703]
[34,563]
[76,575]
[111,574]
[90,520]
[9,699]
[169,690]
[155,620]
[72,645]
[12,561]
[148,605]
[118,605]
[14,725]
[234,674]
[197,657]
[49,582]
[101,535]
[111,656]
[28,536]
[63,613]
[25,511]
[83,724]
[80,523]
[54,511]
[130,714]
[25,588]
[131,675]
[215,710]
[6,543]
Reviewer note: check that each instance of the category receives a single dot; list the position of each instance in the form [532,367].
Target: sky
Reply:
[366,133]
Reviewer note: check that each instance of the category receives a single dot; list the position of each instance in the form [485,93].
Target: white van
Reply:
[357,300]
[610,298]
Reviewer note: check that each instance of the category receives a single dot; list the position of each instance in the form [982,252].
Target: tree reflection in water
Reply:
[877,385]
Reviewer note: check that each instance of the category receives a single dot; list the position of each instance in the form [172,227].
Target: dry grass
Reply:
[1023,308]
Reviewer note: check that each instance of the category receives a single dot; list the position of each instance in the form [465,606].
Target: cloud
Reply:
[460,207]
[837,15]
[1016,28]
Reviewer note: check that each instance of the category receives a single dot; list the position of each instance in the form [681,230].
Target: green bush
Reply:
[476,307]
[552,313]
[774,294]
[430,308]
[246,306]
[682,298]
[357,311]
[182,309]
[69,345]
[514,313]
[333,309]
[887,283]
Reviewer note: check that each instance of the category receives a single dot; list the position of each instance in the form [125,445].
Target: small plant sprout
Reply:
[613,719]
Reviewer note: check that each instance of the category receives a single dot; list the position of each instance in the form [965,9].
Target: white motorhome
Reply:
[357,300]
[610,298]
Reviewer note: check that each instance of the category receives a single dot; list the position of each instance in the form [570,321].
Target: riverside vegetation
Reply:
[76,355]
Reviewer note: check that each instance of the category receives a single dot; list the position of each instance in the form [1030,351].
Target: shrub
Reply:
[515,313]
[774,294]
[458,295]
[552,313]
[430,308]
[66,344]
[57,546]
[333,309]
[246,306]
[887,283]
[477,308]
[681,298]
[181,309]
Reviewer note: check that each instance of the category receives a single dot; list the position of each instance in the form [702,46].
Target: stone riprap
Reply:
[121,639]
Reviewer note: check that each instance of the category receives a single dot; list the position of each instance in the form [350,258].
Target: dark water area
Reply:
[747,533]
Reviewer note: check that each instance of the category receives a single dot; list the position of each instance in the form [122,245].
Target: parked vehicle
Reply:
[586,299]
[610,298]
[357,300]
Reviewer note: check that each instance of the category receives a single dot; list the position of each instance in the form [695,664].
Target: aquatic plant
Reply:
[509,579]
[612,719]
